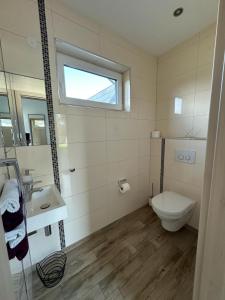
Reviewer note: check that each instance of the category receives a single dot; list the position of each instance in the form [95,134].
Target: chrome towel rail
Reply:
[12,162]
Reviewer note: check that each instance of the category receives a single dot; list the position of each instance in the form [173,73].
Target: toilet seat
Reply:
[172,205]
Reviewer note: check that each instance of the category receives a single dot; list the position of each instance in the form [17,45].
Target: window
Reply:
[86,84]
[178,104]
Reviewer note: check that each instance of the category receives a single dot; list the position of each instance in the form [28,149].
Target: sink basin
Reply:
[45,208]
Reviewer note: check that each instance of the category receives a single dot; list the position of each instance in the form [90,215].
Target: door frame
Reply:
[206,285]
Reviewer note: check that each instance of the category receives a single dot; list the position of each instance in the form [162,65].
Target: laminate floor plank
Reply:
[133,258]
[176,281]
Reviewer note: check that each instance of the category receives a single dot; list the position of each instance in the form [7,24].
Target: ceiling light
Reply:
[178,12]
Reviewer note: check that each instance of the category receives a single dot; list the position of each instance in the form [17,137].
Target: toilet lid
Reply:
[172,204]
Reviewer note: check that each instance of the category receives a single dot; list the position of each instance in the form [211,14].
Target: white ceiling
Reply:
[149,24]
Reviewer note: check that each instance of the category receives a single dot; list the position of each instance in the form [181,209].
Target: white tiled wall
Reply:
[102,145]
[185,72]
[20,36]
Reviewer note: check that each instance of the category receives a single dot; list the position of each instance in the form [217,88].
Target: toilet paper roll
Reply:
[155,134]
[125,187]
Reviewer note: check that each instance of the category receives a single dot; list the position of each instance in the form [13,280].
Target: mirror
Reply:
[23,107]
[37,135]
[35,121]
[23,111]
[5,117]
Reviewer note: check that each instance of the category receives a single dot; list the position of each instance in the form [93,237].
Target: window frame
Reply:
[72,62]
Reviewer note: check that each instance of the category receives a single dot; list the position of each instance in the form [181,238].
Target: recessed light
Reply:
[178,12]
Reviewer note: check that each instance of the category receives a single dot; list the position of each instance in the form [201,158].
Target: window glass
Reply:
[84,85]
[88,84]
[178,105]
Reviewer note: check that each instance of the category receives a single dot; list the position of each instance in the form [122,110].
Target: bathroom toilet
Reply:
[173,209]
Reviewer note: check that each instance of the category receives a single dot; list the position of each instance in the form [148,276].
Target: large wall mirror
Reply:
[23,110]
[23,106]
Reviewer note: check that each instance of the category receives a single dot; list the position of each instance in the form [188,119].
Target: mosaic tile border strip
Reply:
[163,145]
[48,91]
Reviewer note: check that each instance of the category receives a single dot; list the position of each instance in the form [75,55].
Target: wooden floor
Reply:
[133,258]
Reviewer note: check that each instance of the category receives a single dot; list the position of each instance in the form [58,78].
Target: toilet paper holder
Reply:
[121,182]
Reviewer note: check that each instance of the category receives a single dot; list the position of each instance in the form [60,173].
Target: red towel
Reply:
[20,251]
[11,221]
[11,252]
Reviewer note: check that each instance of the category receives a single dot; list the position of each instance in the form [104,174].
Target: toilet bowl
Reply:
[173,209]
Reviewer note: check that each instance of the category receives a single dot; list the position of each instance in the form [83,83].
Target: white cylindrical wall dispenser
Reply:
[124,186]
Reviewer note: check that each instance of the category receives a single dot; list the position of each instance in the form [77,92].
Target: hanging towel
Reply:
[12,220]
[20,251]
[11,252]
[9,200]
[15,236]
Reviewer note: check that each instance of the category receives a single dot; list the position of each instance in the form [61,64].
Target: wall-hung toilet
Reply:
[173,209]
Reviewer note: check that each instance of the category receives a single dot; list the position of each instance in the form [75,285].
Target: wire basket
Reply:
[51,268]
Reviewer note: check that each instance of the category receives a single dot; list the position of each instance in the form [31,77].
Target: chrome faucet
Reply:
[34,190]
[29,189]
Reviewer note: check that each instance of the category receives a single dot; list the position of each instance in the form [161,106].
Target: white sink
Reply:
[45,208]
